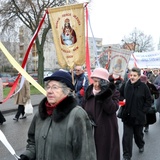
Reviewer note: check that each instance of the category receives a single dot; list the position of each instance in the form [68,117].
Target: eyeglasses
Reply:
[77,70]
[53,87]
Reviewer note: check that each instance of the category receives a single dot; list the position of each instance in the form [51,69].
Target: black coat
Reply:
[138,102]
[151,117]
[117,81]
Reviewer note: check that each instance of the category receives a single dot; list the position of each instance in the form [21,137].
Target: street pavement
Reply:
[16,133]
[152,142]
[10,106]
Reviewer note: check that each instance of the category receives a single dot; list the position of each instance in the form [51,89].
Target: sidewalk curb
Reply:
[15,109]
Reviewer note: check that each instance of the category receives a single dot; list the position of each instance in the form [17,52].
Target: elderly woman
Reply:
[101,104]
[60,130]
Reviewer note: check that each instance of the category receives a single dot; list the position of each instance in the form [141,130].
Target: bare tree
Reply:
[137,41]
[29,13]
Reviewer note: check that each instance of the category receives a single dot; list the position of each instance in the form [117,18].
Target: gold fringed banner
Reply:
[21,70]
[68,28]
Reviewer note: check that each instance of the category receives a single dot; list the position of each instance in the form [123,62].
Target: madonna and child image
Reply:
[68,36]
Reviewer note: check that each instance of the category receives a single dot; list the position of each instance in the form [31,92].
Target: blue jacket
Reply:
[81,84]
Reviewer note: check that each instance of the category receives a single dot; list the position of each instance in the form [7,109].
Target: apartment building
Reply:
[50,59]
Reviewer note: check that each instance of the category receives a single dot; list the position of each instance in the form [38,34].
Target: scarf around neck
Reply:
[50,108]
[95,91]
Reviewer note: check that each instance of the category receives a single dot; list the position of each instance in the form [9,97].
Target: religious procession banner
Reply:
[68,28]
[119,62]
[146,59]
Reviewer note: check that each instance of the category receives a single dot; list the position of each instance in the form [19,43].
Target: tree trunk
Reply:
[40,63]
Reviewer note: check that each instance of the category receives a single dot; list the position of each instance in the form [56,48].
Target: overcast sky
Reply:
[114,19]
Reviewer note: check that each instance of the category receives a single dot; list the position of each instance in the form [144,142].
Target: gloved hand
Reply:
[82,92]
[107,91]
[23,157]
[103,84]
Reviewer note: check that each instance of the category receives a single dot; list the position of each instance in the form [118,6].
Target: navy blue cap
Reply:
[61,76]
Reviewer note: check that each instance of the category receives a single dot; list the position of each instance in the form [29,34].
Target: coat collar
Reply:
[101,94]
[61,111]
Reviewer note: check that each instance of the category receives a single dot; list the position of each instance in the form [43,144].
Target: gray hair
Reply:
[137,70]
[65,89]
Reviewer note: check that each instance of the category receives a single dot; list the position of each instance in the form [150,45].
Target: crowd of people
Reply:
[79,120]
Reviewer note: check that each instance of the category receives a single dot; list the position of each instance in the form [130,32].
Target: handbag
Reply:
[153,108]
[151,115]
[120,111]
[28,108]
[151,118]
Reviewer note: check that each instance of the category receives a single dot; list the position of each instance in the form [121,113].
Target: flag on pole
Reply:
[68,28]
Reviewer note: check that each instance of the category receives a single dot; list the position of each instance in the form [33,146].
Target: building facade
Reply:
[98,54]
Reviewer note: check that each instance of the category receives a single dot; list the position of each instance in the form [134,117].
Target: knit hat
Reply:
[100,73]
[143,78]
[61,76]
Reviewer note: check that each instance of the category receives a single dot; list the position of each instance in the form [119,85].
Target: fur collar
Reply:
[102,94]
[61,111]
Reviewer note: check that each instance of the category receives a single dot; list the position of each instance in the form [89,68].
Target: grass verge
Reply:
[33,91]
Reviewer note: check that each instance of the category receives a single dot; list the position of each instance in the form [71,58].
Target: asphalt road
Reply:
[16,134]
[152,143]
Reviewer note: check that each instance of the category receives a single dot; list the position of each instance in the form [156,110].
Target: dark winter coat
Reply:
[102,109]
[157,84]
[152,78]
[151,116]
[138,102]
[117,81]
[81,83]
[66,135]
[153,90]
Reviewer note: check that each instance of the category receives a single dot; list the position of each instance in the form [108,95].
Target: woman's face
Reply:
[134,77]
[54,92]
[96,84]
